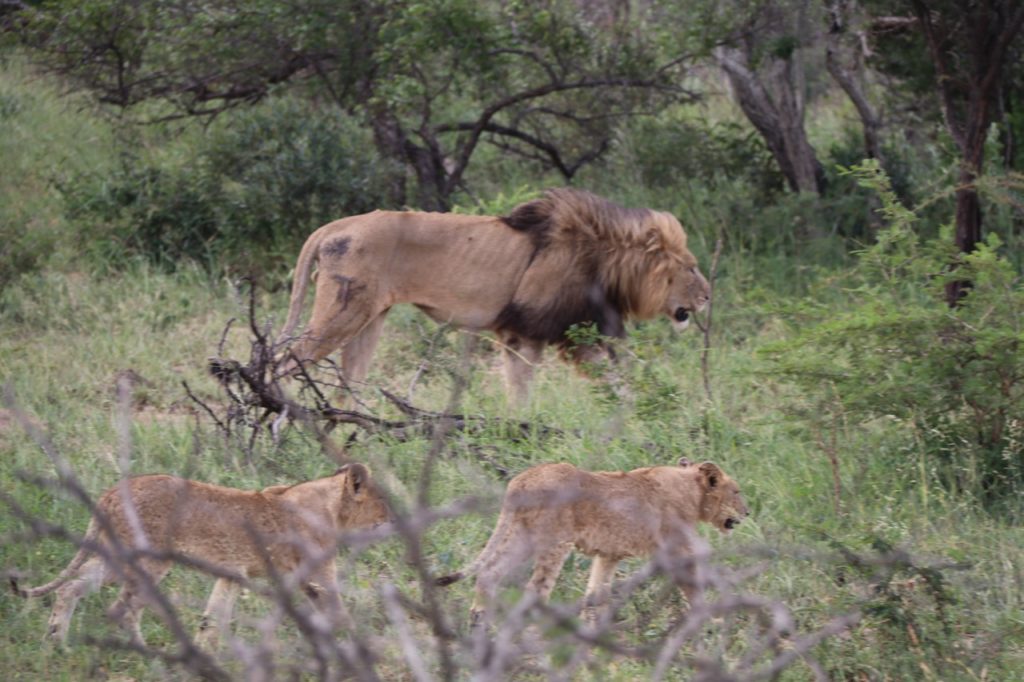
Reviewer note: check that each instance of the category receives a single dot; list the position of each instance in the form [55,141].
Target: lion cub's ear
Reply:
[357,476]
[684,462]
[711,474]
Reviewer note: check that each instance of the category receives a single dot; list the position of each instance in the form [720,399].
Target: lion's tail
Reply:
[84,552]
[303,267]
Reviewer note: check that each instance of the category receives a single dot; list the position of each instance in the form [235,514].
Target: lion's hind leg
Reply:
[358,351]
[342,308]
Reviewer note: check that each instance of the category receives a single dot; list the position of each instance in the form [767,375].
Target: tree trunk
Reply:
[968,210]
[431,186]
[775,108]
[848,81]
[426,162]
[970,95]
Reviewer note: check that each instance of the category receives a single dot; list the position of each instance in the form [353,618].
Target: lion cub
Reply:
[238,532]
[610,515]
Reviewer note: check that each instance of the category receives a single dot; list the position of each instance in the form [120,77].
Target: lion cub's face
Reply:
[688,293]
[363,505]
[723,505]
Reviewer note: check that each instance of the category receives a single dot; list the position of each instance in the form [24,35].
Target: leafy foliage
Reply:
[432,79]
[670,152]
[894,348]
[257,186]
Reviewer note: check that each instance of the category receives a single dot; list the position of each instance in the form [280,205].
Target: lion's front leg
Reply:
[521,358]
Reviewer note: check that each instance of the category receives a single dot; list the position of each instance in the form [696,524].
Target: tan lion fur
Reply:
[239,532]
[610,515]
[567,258]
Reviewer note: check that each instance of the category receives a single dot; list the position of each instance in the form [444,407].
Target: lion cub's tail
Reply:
[69,571]
[446,580]
[492,552]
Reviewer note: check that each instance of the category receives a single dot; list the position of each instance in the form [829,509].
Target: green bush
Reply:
[895,349]
[670,151]
[246,195]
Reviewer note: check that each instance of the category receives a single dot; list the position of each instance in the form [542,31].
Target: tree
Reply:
[845,63]
[433,79]
[968,46]
[762,63]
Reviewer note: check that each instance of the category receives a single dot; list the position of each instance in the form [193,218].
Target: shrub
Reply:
[254,187]
[668,152]
[894,349]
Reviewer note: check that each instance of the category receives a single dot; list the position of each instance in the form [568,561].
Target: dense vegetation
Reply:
[877,431]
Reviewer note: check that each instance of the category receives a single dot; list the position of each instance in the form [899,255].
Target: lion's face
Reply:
[723,505]
[688,292]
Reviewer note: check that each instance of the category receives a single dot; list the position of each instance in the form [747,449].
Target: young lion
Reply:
[239,532]
[610,515]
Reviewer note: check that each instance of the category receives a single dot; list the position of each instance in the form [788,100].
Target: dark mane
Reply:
[594,262]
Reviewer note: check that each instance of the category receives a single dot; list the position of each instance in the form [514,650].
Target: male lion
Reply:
[244,533]
[567,258]
[610,515]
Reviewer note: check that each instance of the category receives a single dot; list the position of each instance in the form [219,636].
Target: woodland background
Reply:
[849,174]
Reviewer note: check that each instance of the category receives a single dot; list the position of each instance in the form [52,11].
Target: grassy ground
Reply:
[69,333]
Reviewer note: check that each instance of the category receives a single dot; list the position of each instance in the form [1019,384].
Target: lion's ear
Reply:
[684,462]
[711,474]
[358,474]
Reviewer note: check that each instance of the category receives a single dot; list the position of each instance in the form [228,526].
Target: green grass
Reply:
[74,333]
[67,333]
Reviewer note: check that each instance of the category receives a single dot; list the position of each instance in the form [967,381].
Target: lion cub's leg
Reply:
[216,619]
[504,552]
[90,576]
[546,568]
[602,570]
[521,357]
[322,591]
[127,609]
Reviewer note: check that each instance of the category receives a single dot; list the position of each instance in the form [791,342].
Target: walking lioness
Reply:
[610,515]
[238,532]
